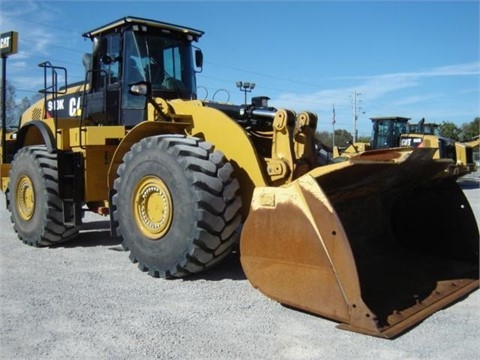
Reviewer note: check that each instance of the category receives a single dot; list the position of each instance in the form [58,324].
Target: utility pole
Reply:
[333,126]
[8,46]
[355,108]
[4,109]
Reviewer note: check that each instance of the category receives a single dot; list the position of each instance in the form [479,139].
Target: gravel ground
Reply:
[86,300]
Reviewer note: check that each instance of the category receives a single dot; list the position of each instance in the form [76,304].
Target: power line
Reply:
[48,26]
[54,60]
[224,80]
[27,40]
[76,50]
[264,75]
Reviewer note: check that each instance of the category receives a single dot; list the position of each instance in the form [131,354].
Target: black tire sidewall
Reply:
[176,242]
[25,165]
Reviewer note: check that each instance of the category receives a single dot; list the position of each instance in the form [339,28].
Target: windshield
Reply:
[165,62]
[387,133]
[399,128]
[432,129]
[380,134]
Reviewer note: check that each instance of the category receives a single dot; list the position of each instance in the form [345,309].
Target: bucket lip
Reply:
[414,315]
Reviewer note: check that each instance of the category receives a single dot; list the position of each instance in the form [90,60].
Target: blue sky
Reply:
[408,58]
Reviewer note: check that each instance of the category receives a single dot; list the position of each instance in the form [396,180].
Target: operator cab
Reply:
[387,130]
[133,50]
[424,128]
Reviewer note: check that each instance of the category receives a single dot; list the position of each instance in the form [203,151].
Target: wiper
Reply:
[172,83]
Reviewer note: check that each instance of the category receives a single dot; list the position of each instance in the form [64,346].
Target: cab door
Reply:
[103,99]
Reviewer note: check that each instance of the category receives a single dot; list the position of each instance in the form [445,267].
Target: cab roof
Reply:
[141,21]
[398,118]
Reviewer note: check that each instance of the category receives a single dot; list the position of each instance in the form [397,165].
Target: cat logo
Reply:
[74,106]
[8,43]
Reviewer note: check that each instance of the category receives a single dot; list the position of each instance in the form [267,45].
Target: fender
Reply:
[36,132]
[142,130]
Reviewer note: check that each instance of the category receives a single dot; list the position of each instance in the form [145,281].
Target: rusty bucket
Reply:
[377,243]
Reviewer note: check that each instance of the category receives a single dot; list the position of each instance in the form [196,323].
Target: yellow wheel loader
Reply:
[394,131]
[377,243]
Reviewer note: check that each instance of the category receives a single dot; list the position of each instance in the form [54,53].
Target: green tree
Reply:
[364,139]
[324,137]
[472,129]
[10,106]
[342,138]
[450,130]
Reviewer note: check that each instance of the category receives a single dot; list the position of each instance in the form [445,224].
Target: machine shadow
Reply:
[468,184]
[229,268]
[95,233]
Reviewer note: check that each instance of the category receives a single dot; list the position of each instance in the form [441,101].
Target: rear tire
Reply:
[33,198]
[176,206]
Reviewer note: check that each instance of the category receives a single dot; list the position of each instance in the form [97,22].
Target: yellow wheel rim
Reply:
[152,207]
[25,196]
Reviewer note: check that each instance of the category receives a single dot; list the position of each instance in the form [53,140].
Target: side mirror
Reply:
[198,58]
[107,59]
[143,88]
[99,46]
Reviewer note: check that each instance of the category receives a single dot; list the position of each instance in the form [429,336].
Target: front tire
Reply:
[176,206]
[33,198]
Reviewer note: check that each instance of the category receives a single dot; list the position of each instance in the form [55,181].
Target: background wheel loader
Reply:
[178,178]
[395,131]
